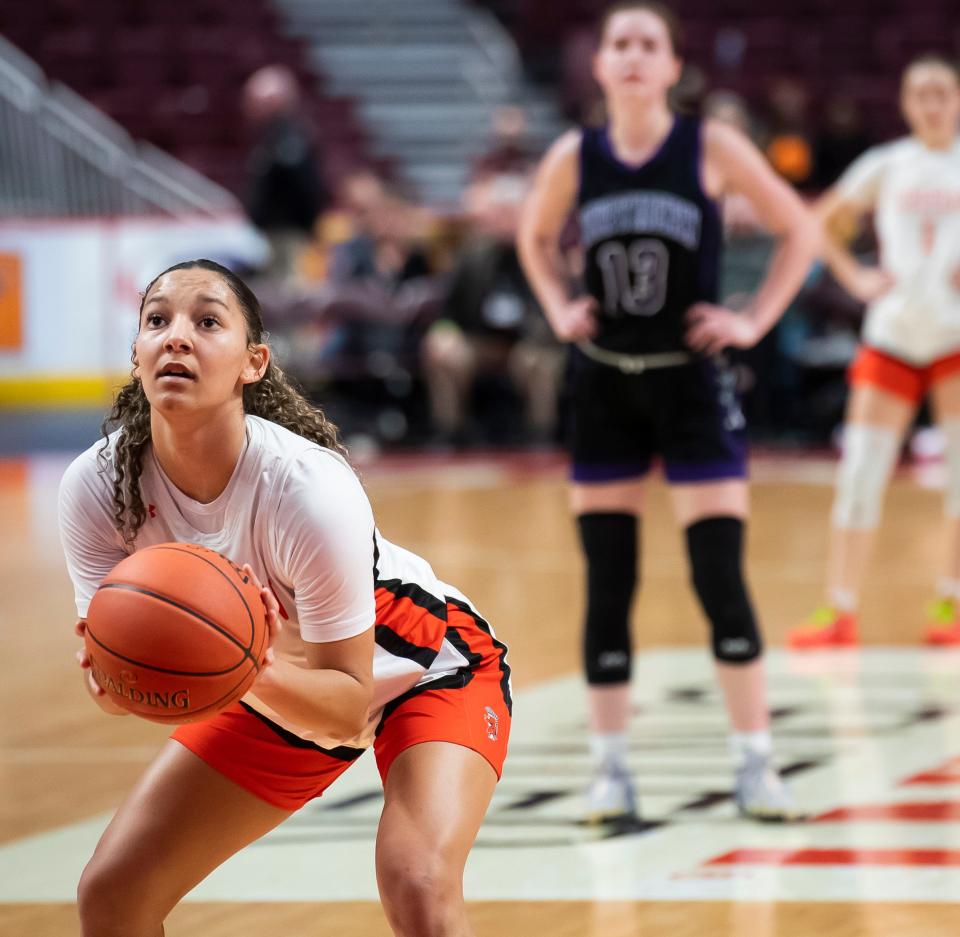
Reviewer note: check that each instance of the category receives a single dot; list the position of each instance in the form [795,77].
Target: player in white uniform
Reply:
[911,339]
[369,648]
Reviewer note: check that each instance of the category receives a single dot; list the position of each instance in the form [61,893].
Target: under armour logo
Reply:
[493,723]
[736,647]
[612,660]
[152,509]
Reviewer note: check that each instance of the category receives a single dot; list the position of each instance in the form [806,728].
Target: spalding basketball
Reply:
[176,632]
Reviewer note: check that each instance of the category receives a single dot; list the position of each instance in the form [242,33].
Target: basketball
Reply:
[175,633]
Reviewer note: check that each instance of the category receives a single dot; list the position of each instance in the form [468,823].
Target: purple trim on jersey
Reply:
[715,470]
[609,471]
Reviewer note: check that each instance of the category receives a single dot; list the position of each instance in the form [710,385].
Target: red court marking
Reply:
[947,773]
[935,857]
[939,811]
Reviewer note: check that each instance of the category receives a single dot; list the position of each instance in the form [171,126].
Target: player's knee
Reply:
[869,456]
[715,546]
[609,544]
[113,899]
[422,898]
[107,903]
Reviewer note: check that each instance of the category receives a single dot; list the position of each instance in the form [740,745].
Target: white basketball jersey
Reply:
[915,192]
[299,516]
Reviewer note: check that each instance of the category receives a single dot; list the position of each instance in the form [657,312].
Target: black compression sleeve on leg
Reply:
[609,544]
[715,546]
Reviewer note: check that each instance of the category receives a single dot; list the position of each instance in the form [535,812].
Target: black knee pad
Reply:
[610,546]
[715,545]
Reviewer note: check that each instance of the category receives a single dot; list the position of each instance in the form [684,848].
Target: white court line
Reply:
[538,852]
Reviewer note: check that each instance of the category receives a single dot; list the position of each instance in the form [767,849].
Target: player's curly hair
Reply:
[273,397]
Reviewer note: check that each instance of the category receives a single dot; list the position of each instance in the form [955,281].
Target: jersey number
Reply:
[634,276]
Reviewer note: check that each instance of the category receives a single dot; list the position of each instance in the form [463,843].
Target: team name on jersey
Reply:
[930,201]
[630,213]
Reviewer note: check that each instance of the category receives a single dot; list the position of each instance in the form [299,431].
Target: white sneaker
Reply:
[760,793]
[610,795]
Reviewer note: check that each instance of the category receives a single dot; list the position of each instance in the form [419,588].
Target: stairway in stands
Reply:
[427,76]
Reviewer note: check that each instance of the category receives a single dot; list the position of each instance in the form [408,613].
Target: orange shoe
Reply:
[943,621]
[825,628]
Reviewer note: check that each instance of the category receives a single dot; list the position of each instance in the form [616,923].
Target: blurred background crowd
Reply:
[384,150]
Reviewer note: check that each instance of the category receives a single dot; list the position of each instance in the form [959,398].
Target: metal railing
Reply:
[61,157]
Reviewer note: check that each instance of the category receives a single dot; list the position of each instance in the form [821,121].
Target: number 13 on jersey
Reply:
[634,276]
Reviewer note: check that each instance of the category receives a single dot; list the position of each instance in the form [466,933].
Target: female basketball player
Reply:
[648,376]
[911,338]
[215,447]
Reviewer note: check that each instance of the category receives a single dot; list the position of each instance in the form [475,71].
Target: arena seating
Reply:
[171,73]
[866,42]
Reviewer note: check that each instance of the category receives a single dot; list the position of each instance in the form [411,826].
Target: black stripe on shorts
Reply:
[341,752]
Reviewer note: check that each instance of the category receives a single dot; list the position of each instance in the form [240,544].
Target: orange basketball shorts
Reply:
[471,708]
[907,381]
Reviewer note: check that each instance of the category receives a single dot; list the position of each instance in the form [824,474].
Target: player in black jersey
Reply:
[649,376]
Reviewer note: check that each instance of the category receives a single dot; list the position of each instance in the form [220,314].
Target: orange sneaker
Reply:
[825,628]
[943,623]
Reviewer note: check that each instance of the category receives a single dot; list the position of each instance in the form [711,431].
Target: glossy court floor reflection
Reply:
[870,739]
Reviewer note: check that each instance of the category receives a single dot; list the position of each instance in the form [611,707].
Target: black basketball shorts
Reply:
[687,415]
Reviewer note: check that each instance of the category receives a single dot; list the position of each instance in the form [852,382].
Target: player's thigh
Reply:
[692,502]
[627,496]
[945,396]
[870,405]
[181,821]
[611,440]
[435,797]
[704,442]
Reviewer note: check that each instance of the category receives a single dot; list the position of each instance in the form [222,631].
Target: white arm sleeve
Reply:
[324,536]
[860,183]
[91,544]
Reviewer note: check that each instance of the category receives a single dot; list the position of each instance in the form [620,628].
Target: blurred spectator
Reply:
[687,95]
[286,196]
[729,108]
[492,328]
[509,156]
[385,234]
[729,49]
[788,145]
[579,92]
[843,137]
[510,149]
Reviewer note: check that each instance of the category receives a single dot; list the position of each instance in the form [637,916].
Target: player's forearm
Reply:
[842,263]
[839,222]
[788,267]
[328,702]
[544,271]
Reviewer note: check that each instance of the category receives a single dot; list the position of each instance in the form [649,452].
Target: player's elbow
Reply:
[802,232]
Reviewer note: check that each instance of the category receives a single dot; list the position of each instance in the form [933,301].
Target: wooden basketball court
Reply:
[872,737]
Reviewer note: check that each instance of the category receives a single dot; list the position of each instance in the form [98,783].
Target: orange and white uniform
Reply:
[911,333]
[299,516]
